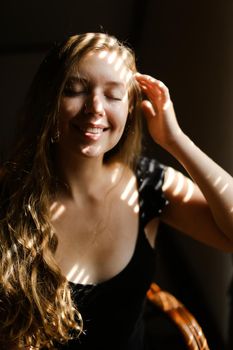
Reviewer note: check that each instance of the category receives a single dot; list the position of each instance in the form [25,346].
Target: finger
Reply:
[152,92]
[140,76]
[163,95]
[149,81]
[148,109]
[155,89]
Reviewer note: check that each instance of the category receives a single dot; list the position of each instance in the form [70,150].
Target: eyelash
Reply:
[72,93]
[114,98]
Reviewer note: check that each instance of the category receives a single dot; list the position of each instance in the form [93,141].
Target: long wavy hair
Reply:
[36,307]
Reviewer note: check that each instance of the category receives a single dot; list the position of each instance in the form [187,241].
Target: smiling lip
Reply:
[92,131]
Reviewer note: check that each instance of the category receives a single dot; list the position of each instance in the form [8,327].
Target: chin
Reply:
[92,152]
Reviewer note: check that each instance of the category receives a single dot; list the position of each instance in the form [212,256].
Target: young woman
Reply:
[80,208]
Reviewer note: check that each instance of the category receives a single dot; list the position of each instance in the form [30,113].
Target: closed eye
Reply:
[72,93]
[113,98]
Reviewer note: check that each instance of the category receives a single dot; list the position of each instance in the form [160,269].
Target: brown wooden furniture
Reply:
[182,318]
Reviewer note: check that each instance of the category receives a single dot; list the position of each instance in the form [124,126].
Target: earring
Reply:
[55,138]
[85,108]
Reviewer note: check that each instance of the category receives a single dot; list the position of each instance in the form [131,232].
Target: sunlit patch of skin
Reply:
[136,209]
[103,54]
[115,175]
[129,76]
[125,97]
[85,280]
[112,57]
[128,188]
[133,198]
[56,211]
[71,273]
[118,63]
[53,206]
[224,188]
[180,184]
[131,195]
[169,179]
[77,275]
[190,191]
[123,72]
[217,181]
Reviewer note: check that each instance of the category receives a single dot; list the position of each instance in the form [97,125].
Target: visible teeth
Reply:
[94,130]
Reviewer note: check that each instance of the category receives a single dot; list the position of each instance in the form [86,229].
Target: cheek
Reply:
[67,112]
[69,109]
[123,113]
[118,119]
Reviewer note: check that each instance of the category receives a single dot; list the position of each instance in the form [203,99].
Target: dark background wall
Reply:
[188,45]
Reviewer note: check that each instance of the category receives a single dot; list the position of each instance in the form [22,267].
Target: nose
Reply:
[94,105]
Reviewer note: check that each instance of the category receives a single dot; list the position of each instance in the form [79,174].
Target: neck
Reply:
[80,174]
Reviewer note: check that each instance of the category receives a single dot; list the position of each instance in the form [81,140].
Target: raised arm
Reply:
[203,209]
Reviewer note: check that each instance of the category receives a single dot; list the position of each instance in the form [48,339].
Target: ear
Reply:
[130,110]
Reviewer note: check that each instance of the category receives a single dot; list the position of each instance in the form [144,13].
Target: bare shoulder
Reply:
[122,174]
[124,185]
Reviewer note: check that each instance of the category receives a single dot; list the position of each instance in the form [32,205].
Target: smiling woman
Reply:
[94,106]
[80,207]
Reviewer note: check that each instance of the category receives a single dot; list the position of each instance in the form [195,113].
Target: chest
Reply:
[97,238]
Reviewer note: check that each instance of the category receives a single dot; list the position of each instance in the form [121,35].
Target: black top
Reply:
[112,310]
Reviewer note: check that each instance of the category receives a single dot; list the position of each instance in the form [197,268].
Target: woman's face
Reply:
[94,106]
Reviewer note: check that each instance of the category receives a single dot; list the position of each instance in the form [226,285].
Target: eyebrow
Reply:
[115,83]
[77,79]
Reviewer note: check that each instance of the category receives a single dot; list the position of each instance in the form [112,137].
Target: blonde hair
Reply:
[36,308]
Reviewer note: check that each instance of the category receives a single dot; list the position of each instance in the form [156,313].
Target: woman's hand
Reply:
[159,112]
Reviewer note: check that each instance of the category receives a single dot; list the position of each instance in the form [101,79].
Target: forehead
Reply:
[104,65]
